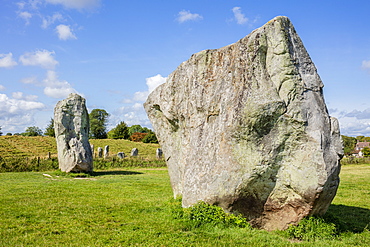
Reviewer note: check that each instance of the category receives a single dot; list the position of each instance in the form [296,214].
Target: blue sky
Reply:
[115,52]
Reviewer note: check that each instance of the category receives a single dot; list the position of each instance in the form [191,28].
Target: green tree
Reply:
[360,138]
[50,129]
[1,133]
[32,131]
[119,132]
[137,129]
[349,144]
[98,124]
[366,151]
[150,138]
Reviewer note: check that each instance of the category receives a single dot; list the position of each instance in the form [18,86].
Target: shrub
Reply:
[311,229]
[137,136]
[206,214]
[150,138]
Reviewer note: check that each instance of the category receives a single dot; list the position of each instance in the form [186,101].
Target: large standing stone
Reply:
[71,124]
[246,127]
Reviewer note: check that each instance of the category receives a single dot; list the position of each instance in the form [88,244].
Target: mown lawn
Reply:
[134,208]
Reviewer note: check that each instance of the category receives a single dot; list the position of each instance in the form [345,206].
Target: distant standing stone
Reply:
[100,152]
[71,124]
[106,151]
[121,155]
[92,150]
[159,153]
[134,152]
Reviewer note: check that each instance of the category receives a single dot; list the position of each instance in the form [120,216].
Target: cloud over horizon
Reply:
[18,110]
[55,88]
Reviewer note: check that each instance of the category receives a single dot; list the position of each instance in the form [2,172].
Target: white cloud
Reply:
[26,16]
[49,20]
[10,107]
[2,88]
[239,16]
[55,88]
[366,64]
[42,58]
[64,32]
[152,83]
[133,112]
[185,15]
[76,4]
[20,95]
[30,80]
[7,61]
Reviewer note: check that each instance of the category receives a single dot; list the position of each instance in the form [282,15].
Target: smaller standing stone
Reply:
[159,153]
[121,155]
[92,149]
[134,152]
[100,152]
[106,152]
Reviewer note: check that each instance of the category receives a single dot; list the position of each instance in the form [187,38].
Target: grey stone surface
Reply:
[246,127]
[134,152]
[121,155]
[159,153]
[100,152]
[71,124]
[106,151]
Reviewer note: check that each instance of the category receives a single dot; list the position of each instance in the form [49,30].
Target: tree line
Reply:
[98,119]
[349,144]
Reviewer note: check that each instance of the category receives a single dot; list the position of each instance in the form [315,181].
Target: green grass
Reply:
[22,154]
[133,207]
[40,146]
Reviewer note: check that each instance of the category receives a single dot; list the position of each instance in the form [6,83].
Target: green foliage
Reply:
[9,134]
[312,229]
[98,122]
[115,162]
[32,131]
[137,128]
[349,144]
[363,138]
[119,132]
[366,151]
[150,138]
[49,131]
[203,213]
[25,164]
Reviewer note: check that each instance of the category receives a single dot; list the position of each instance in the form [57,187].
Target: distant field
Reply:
[40,146]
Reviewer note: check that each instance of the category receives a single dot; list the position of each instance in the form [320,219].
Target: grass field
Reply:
[134,208]
[40,146]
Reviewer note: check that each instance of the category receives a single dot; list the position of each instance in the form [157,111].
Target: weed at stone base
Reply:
[311,229]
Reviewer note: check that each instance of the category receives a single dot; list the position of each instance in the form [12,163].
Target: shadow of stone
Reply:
[348,218]
[102,173]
